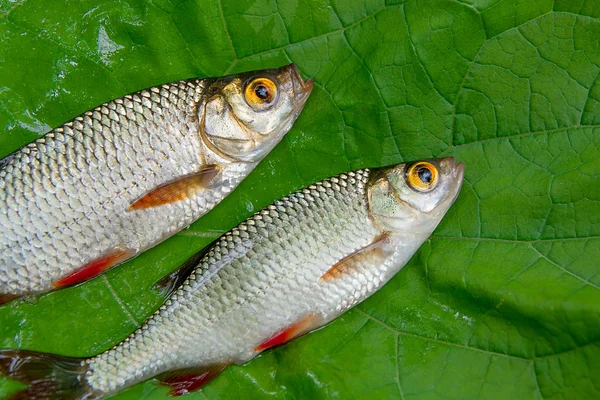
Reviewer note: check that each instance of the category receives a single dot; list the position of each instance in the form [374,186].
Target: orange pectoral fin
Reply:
[178,189]
[305,325]
[187,380]
[94,268]
[351,262]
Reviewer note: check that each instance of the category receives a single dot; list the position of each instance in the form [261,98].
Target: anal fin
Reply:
[94,268]
[346,265]
[308,323]
[178,189]
[184,381]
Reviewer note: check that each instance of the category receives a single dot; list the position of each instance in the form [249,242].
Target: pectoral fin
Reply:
[187,380]
[178,189]
[350,263]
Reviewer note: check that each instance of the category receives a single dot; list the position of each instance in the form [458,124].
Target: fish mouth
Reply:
[302,88]
[460,170]
[450,163]
[458,174]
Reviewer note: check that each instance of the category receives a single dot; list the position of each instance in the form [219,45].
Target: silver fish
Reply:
[291,268]
[125,176]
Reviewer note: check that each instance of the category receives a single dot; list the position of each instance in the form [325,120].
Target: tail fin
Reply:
[49,376]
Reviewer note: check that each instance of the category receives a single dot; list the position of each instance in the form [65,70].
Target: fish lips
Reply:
[302,88]
[458,175]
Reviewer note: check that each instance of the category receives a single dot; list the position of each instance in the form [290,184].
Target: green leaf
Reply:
[503,302]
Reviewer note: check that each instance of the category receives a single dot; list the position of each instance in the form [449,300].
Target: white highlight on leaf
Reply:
[106,47]
[34,125]
[459,315]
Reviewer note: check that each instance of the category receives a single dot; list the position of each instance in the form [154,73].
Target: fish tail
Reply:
[48,376]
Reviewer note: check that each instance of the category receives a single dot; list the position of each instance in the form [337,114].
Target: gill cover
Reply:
[414,197]
[223,132]
[246,115]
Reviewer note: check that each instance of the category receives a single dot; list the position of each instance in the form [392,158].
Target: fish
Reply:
[289,269]
[125,176]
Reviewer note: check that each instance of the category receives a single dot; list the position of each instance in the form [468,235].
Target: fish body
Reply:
[125,176]
[257,280]
[291,268]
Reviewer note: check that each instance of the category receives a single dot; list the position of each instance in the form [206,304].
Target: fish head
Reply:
[245,115]
[413,198]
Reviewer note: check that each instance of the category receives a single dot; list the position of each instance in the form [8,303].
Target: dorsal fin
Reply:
[4,161]
[167,285]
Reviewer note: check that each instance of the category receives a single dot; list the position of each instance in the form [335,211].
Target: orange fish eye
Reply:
[422,176]
[260,93]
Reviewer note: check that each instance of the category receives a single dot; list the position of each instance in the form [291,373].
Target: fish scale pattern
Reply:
[63,198]
[257,279]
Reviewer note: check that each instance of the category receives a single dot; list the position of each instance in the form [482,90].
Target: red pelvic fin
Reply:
[352,261]
[306,324]
[6,297]
[94,268]
[178,189]
[184,381]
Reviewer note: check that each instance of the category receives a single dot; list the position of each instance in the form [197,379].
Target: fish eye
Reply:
[261,93]
[422,176]
[425,175]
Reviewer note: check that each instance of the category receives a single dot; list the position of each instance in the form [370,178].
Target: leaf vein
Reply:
[414,49]
[519,241]
[520,135]
[219,2]
[413,335]
[120,301]
[283,48]
[564,269]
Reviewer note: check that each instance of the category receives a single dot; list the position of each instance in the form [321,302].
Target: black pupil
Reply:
[261,92]
[425,175]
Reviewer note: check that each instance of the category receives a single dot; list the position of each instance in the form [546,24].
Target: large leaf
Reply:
[502,302]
